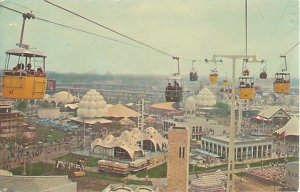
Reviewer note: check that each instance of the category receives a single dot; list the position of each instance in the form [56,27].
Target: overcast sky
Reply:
[189,29]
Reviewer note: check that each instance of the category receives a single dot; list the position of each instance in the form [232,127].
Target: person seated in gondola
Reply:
[242,84]
[169,87]
[176,85]
[40,72]
[17,67]
[28,67]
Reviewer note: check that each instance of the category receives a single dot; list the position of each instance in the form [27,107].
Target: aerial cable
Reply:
[246,28]
[112,30]
[73,28]
[291,49]
[11,9]
[87,32]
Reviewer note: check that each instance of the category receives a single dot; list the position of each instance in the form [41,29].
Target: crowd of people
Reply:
[274,172]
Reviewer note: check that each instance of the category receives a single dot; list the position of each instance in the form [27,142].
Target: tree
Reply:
[46,104]
[22,105]
[221,109]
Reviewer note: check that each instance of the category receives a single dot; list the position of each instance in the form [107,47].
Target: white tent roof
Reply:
[120,110]
[128,140]
[291,128]
[126,121]
[269,111]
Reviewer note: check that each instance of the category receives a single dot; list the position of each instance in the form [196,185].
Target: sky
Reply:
[188,29]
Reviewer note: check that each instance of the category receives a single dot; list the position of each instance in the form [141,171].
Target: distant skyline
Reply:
[189,29]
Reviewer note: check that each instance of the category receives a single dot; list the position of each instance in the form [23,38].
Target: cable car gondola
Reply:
[282,83]
[24,81]
[225,83]
[174,88]
[213,77]
[263,74]
[246,84]
[282,80]
[193,73]
[27,80]
[246,88]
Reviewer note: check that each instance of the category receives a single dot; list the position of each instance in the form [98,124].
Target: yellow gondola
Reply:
[246,88]
[225,83]
[24,81]
[213,78]
[282,83]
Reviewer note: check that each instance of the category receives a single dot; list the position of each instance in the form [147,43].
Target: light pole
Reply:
[84,136]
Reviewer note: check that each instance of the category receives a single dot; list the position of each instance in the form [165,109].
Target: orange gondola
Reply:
[246,84]
[281,82]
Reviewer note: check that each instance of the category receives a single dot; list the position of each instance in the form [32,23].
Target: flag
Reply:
[282,135]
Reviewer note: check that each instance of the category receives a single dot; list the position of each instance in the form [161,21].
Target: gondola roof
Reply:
[25,52]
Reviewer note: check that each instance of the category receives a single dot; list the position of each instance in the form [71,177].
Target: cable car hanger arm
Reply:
[284,56]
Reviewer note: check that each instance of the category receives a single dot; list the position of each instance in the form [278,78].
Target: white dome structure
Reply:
[190,103]
[206,97]
[190,107]
[63,96]
[92,105]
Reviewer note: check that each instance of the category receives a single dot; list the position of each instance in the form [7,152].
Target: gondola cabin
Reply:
[282,83]
[193,75]
[263,75]
[225,83]
[213,78]
[174,89]
[24,74]
[246,88]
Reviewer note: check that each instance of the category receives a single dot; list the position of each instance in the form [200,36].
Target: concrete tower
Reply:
[178,159]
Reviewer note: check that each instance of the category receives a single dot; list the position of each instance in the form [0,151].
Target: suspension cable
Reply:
[291,49]
[73,28]
[246,27]
[110,29]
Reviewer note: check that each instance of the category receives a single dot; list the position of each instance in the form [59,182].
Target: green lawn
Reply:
[156,172]
[92,162]
[43,132]
[117,179]
[104,176]
[35,169]
[161,170]
[137,182]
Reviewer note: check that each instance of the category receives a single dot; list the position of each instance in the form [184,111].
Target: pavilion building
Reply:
[246,146]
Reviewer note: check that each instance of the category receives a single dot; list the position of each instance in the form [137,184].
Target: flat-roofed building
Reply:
[246,146]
